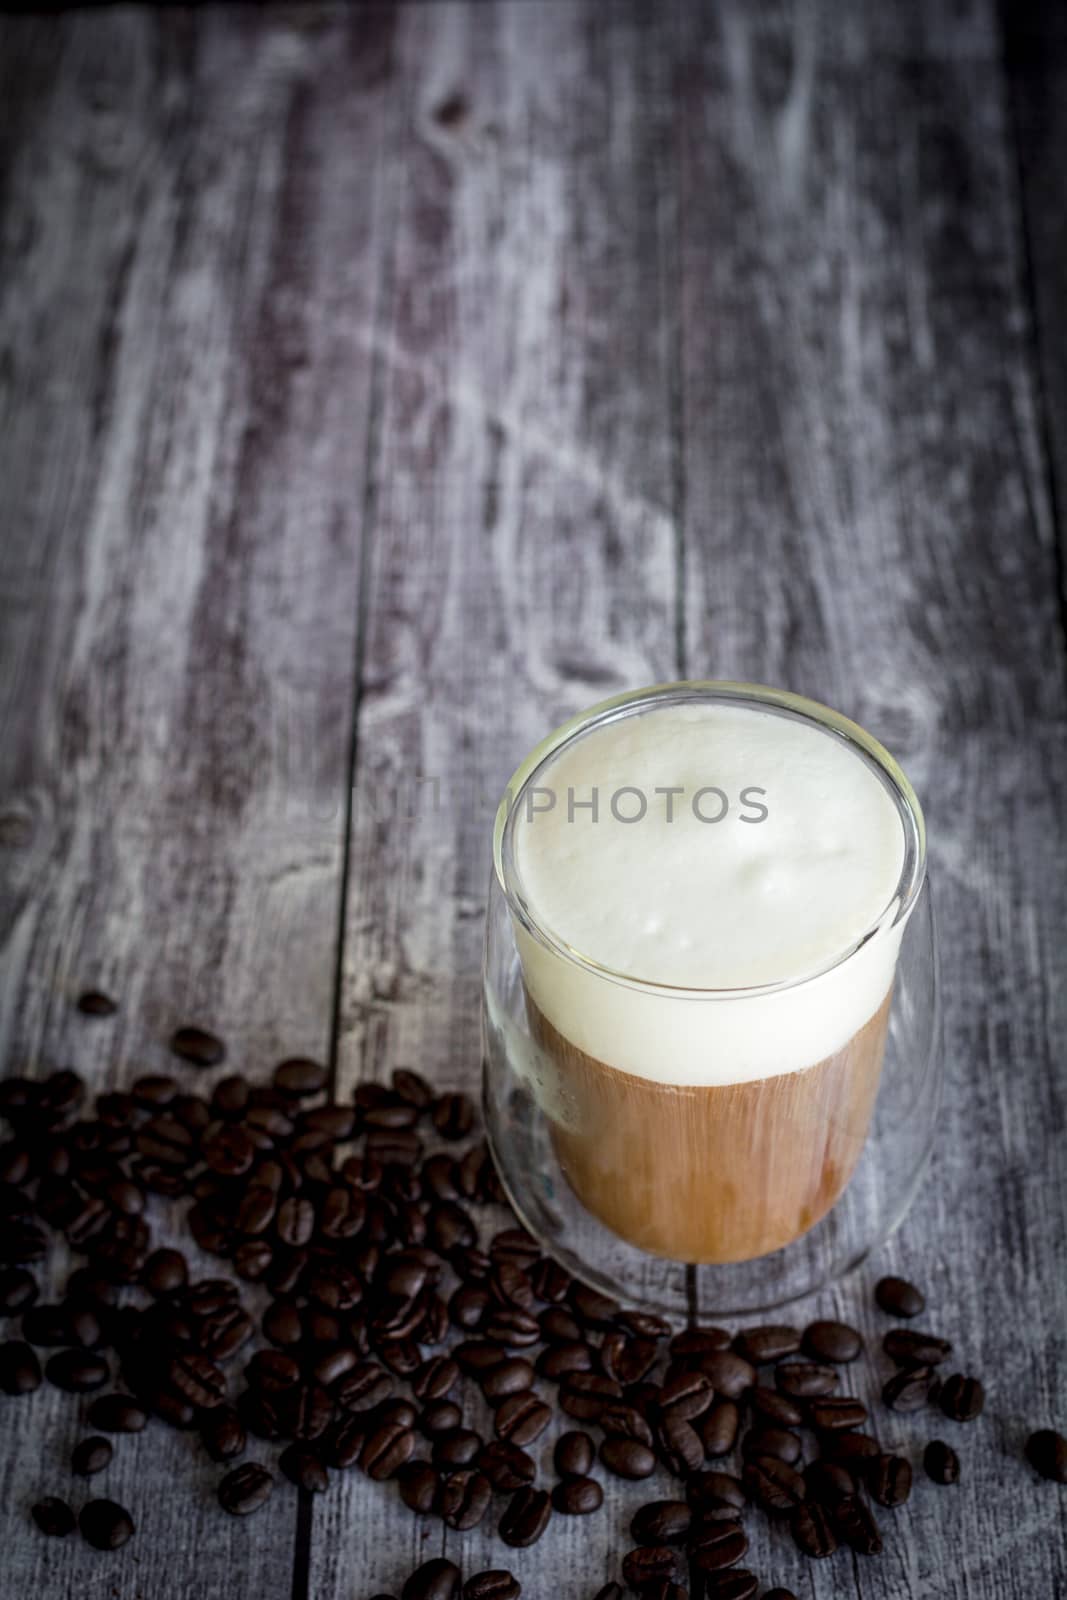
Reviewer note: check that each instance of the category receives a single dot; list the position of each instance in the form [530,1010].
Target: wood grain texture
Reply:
[605,343]
[187,247]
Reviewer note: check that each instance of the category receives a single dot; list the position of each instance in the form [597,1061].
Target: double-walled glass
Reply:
[732,1198]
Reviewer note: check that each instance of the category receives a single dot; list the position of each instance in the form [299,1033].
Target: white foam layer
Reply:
[709,905]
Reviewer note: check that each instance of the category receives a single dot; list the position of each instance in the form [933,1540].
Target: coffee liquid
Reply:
[713,1174]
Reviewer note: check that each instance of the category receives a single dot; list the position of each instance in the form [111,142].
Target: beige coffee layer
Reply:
[713,1174]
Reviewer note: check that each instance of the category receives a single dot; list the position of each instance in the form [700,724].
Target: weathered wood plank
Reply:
[521,555]
[867,520]
[189,248]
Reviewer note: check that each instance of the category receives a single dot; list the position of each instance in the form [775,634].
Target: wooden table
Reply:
[379,386]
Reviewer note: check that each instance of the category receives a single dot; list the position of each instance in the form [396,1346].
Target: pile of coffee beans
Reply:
[354,1294]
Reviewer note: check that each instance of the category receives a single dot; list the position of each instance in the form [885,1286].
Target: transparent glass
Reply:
[574,1141]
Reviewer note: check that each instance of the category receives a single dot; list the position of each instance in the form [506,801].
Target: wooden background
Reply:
[380,385]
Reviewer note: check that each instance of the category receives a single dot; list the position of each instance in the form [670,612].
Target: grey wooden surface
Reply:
[379,386]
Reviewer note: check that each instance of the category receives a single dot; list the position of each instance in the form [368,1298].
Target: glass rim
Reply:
[761,696]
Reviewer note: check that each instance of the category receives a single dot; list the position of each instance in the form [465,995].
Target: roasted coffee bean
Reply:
[304,1467]
[910,1348]
[165,1272]
[506,1466]
[889,1479]
[464,1499]
[295,1221]
[525,1517]
[453,1116]
[736,1584]
[855,1526]
[831,1341]
[48,1326]
[273,1370]
[627,1360]
[585,1394]
[467,1307]
[687,1395]
[940,1462]
[497,1584]
[363,1387]
[837,1411]
[573,1455]
[342,1445]
[961,1398]
[54,1517]
[116,1413]
[418,1484]
[849,1447]
[439,1417]
[282,1324]
[558,1326]
[223,1434]
[94,1003]
[718,1545]
[18,1290]
[899,1298]
[718,1427]
[105,1525]
[773,1484]
[509,1326]
[577,1497]
[509,1284]
[769,1342]
[627,1458]
[332,1365]
[435,1378]
[643,1324]
[507,1378]
[300,1077]
[197,1379]
[1046,1451]
[522,1418]
[385,1449]
[649,1563]
[908,1389]
[434,1580]
[306,1410]
[775,1407]
[678,1445]
[175,1411]
[593,1309]
[20,1370]
[457,1448]
[706,1490]
[778,1442]
[661,1522]
[827,1481]
[805,1380]
[731,1374]
[697,1342]
[625,1422]
[91,1456]
[245,1489]
[557,1360]
[77,1371]
[198,1047]
[412,1088]
[812,1532]
[252,1260]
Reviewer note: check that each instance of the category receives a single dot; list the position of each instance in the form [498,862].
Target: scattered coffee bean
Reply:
[90,1456]
[54,1517]
[828,1482]
[627,1458]
[440,1417]
[940,1462]
[774,1485]
[908,1389]
[805,1380]
[769,1342]
[434,1580]
[18,1290]
[300,1077]
[855,1526]
[811,1530]
[418,1484]
[506,1466]
[1046,1451]
[899,1298]
[302,1466]
[573,1455]
[577,1497]
[525,1517]
[77,1371]
[105,1525]
[457,1448]
[718,1545]
[20,1370]
[731,1374]
[507,1378]
[496,1584]
[849,1447]
[778,1442]
[719,1426]
[195,1046]
[386,1448]
[961,1398]
[889,1479]
[678,1445]
[94,1003]
[705,1490]
[223,1434]
[661,1522]
[775,1407]
[831,1341]
[245,1489]
[837,1411]
[649,1562]
[464,1499]
[737,1584]
[686,1396]
[910,1348]
[116,1413]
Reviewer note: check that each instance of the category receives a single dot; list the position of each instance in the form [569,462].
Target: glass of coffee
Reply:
[710,996]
